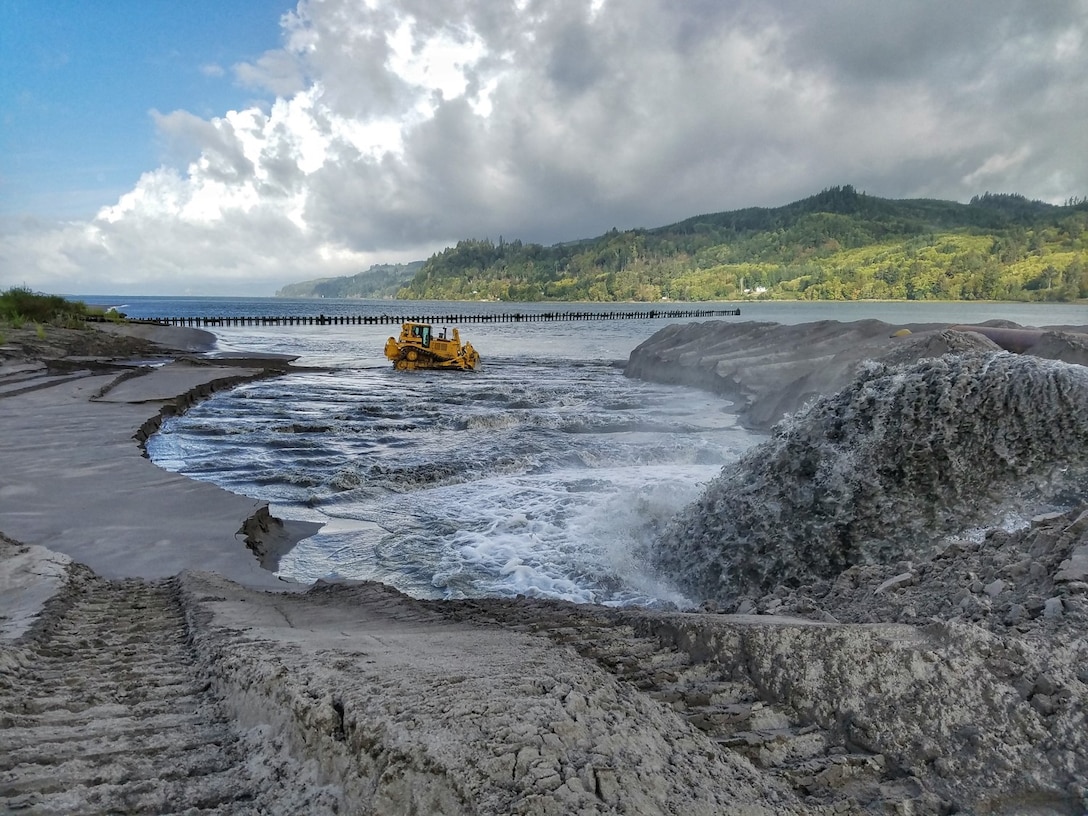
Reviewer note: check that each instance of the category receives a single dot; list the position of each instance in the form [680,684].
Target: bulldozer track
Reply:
[107,711]
[720,701]
[107,706]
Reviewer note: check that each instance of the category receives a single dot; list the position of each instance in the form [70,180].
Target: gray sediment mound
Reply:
[770,370]
[914,347]
[766,369]
[1072,347]
[879,471]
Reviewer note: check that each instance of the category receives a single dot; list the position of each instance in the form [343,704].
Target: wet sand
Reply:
[75,479]
[144,665]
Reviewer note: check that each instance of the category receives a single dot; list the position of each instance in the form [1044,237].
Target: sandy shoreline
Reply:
[75,481]
[162,677]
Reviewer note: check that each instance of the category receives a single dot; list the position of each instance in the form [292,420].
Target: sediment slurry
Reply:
[878,472]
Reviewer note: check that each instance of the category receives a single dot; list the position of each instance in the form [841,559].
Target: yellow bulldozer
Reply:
[418,347]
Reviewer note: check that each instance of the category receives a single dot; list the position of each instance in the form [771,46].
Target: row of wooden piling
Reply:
[201,321]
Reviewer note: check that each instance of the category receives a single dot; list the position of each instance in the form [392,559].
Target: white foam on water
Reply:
[575,535]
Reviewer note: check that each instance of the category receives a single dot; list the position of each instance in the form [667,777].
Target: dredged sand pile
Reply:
[168,679]
[881,471]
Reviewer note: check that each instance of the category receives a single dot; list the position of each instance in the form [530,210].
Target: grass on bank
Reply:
[20,306]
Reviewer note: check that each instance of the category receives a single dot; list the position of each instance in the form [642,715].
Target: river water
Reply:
[546,473]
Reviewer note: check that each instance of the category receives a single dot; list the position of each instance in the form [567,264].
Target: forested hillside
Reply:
[839,244]
[380,281]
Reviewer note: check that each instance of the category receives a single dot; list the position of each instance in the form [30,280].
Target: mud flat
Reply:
[147,665]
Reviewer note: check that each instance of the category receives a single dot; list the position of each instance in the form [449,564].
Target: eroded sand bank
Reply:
[165,678]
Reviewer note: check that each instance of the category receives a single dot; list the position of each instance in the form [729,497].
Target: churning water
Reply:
[542,479]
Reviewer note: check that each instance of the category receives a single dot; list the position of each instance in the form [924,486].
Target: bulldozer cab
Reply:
[422,332]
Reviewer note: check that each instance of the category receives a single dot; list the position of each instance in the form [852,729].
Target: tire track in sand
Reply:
[106,710]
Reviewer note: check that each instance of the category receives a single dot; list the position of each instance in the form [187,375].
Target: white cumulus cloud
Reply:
[392,129]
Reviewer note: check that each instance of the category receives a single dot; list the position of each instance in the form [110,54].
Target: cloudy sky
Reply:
[228,148]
